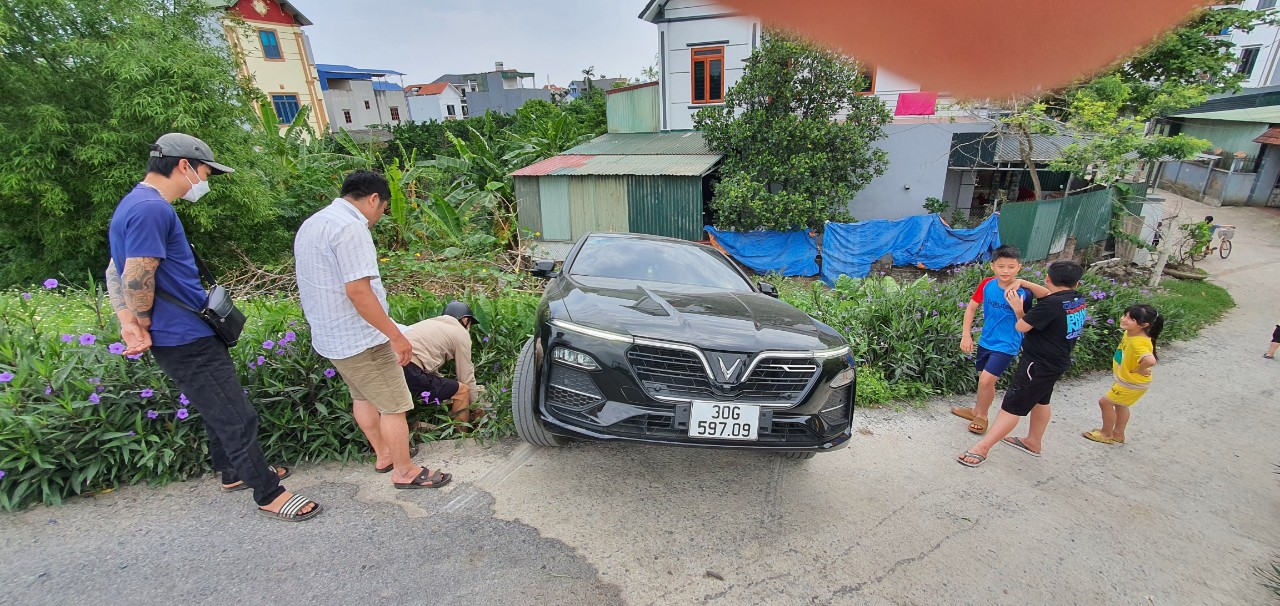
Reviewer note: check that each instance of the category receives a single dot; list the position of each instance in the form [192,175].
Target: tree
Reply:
[798,139]
[1111,116]
[87,87]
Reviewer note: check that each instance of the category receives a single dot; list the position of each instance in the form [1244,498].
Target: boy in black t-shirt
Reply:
[1051,328]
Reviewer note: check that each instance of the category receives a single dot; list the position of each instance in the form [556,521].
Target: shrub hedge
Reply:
[76,417]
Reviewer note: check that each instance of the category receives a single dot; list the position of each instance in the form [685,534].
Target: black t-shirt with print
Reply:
[1056,322]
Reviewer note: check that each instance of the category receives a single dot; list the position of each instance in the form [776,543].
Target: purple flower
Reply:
[182,413]
[268,344]
[329,372]
[51,283]
[935,313]
[136,356]
[290,337]
[88,339]
[1,474]
[116,348]
[425,395]
[253,366]
[101,388]
[261,360]
[6,376]
[68,338]
[95,381]
[147,393]
[151,414]
[182,399]
[1110,321]
[131,434]
[48,391]
[504,390]
[93,397]
[26,296]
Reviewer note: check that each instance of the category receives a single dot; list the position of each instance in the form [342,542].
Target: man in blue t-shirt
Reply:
[151,278]
[1000,340]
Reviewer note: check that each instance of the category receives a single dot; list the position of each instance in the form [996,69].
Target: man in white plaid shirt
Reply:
[346,306]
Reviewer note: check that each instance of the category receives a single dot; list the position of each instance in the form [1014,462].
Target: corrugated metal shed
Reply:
[1044,148]
[651,183]
[679,142]
[664,206]
[577,165]
[529,209]
[633,109]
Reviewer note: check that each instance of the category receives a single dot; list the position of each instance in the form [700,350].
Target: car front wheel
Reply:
[524,392]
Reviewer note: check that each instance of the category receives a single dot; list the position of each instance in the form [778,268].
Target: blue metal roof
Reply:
[387,86]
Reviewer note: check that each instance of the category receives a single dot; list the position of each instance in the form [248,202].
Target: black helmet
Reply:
[459,310]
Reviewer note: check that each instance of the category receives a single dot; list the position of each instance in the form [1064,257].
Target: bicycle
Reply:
[1190,248]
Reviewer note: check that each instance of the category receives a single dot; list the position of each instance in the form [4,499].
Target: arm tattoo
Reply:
[115,287]
[140,284]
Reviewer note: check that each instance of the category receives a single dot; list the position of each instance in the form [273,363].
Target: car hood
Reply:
[710,319]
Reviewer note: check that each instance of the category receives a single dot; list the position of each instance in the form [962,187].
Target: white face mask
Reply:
[198,189]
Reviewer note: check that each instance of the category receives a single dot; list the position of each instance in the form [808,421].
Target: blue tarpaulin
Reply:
[788,253]
[851,248]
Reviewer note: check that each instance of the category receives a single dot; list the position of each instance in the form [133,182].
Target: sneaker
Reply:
[1268,356]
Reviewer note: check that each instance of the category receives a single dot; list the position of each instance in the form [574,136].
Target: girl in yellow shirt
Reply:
[1131,366]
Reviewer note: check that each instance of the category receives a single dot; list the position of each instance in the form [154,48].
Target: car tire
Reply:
[798,456]
[524,392]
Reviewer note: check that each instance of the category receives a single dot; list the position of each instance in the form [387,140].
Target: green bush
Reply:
[77,417]
[907,335]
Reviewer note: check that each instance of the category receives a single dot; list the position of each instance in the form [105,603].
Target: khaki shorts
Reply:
[374,375]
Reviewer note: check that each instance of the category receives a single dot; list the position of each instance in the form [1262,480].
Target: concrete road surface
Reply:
[1179,515]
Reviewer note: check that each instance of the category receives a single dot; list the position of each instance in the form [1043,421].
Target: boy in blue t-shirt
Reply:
[1000,340]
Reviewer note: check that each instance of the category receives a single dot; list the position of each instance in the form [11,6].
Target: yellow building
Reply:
[267,36]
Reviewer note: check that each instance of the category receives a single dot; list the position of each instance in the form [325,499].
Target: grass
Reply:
[1190,306]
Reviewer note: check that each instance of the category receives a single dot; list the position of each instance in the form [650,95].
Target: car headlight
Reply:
[593,332]
[574,358]
[834,352]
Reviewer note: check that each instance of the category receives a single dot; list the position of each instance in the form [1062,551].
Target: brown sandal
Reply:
[964,413]
[978,426]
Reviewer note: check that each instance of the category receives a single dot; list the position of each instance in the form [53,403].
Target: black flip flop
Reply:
[413,452]
[437,479]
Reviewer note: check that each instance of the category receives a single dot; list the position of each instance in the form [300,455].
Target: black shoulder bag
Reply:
[219,311]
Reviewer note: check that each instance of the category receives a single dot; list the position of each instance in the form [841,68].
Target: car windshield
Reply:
[656,261]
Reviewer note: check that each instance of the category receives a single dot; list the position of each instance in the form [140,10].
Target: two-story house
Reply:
[501,90]
[267,37]
[359,99]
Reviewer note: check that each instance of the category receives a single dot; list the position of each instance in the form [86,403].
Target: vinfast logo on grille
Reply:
[729,368]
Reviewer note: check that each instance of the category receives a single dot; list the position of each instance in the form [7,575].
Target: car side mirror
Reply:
[768,289]
[545,268]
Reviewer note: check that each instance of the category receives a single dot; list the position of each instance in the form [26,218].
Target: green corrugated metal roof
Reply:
[683,143]
[662,165]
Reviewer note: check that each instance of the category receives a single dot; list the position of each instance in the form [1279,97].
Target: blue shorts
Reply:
[994,362]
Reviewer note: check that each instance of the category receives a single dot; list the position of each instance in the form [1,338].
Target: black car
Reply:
[663,341]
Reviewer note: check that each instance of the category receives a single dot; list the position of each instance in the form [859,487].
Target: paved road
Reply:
[1179,515]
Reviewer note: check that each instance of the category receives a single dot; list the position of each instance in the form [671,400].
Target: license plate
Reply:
[724,421]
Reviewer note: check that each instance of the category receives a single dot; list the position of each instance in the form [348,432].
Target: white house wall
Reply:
[680,37]
[1263,36]
[425,108]
[336,100]
[918,158]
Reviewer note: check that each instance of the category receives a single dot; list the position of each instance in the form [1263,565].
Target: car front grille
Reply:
[675,373]
[670,373]
[781,379]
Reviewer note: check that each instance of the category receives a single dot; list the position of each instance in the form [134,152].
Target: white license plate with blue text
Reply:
[724,421]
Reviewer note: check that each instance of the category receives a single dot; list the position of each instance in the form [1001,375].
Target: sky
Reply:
[425,39]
